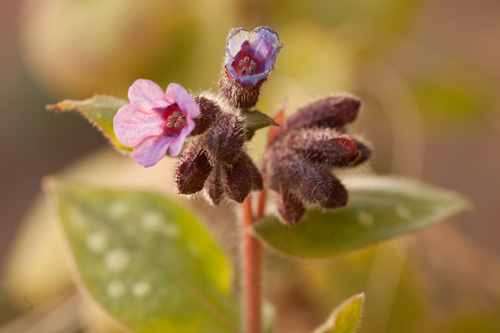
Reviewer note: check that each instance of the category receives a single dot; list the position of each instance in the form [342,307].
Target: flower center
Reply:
[174,120]
[246,62]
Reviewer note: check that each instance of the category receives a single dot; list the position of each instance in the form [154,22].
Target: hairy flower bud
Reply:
[322,146]
[364,152]
[298,160]
[289,207]
[238,95]
[333,111]
[213,186]
[308,183]
[225,139]
[193,168]
[253,171]
[208,114]
[235,180]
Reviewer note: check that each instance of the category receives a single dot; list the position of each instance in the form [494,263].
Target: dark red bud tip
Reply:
[225,139]
[208,113]
[238,95]
[349,143]
[193,169]
[289,208]
[213,186]
[334,111]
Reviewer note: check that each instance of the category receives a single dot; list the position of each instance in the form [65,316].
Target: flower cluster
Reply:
[298,160]
[214,158]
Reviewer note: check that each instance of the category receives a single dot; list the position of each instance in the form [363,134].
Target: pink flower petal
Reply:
[151,150]
[183,99]
[147,95]
[131,126]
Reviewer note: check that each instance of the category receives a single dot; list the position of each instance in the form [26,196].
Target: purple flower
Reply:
[155,121]
[250,56]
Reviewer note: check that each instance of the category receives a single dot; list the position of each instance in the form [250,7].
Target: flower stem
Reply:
[252,253]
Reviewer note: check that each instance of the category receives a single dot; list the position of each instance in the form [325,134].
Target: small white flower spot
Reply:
[366,219]
[141,289]
[152,220]
[403,212]
[171,230]
[117,209]
[97,242]
[117,259]
[116,289]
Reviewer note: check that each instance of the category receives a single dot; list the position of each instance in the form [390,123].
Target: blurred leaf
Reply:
[255,120]
[451,100]
[146,260]
[379,208]
[99,111]
[346,317]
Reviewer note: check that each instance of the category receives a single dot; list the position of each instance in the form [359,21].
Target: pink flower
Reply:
[155,121]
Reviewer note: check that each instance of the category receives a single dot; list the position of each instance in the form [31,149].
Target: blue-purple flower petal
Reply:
[261,45]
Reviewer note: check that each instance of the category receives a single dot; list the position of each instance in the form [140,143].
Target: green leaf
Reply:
[146,260]
[379,208]
[255,120]
[99,111]
[346,317]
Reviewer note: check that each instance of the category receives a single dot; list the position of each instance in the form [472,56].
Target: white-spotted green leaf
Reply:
[146,260]
[379,208]
[346,317]
[99,111]
[255,120]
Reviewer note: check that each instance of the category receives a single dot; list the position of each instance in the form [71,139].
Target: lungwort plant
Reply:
[150,262]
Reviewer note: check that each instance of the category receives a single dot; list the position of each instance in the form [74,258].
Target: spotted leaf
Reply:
[378,208]
[146,259]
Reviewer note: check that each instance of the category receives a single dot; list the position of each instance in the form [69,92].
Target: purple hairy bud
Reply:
[225,139]
[213,186]
[334,111]
[208,113]
[363,153]
[289,207]
[238,95]
[193,168]
[253,171]
[323,145]
[310,143]
[304,180]
[235,179]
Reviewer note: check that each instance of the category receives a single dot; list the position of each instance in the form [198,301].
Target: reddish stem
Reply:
[252,253]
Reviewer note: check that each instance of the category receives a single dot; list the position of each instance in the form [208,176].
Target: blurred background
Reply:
[427,71]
